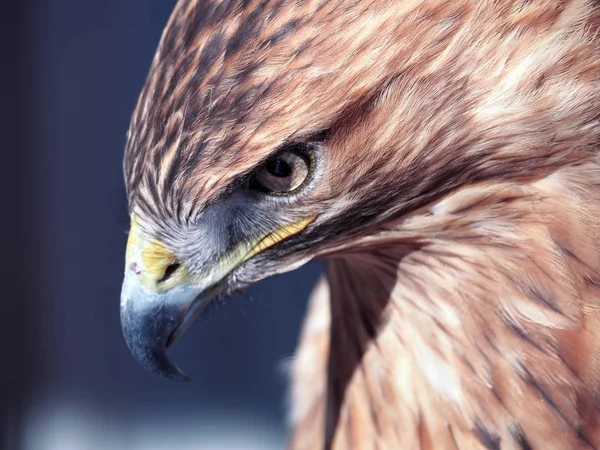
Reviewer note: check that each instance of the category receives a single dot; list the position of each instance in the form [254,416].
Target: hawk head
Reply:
[272,132]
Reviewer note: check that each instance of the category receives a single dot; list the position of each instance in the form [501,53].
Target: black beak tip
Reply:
[159,363]
[147,336]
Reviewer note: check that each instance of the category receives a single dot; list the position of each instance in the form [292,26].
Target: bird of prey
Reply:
[441,156]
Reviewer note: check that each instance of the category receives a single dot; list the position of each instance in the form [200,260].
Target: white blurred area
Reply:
[68,425]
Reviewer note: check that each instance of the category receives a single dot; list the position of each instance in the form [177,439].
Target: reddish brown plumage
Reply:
[501,305]
[459,203]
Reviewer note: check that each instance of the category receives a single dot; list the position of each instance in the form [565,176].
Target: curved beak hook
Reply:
[157,303]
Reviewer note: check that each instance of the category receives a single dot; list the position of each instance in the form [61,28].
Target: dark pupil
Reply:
[279,168]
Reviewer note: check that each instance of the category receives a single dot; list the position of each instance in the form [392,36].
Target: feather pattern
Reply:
[457,202]
[470,324]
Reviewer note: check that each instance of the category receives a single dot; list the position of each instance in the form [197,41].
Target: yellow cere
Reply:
[150,256]
[152,259]
[279,235]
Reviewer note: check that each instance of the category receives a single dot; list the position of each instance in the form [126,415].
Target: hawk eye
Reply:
[284,172]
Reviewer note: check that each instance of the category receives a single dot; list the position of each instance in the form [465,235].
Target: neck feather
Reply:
[466,325]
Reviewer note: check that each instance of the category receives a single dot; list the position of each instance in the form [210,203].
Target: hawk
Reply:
[441,156]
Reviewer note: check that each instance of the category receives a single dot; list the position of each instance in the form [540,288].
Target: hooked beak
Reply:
[152,322]
[157,303]
[160,300]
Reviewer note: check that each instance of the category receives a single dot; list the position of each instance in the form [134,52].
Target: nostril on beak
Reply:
[169,272]
[134,268]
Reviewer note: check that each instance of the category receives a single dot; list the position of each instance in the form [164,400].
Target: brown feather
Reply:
[486,330]
[458,204]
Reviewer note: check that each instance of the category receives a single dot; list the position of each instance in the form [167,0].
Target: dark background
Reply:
[70,74]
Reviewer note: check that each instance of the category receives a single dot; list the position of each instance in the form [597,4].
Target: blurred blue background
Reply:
[70,74]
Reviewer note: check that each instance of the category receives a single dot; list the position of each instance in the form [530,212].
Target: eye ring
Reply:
[286,172]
